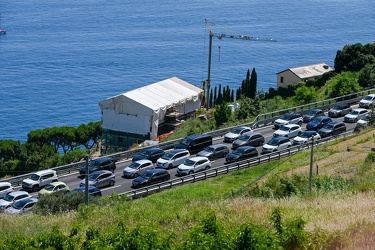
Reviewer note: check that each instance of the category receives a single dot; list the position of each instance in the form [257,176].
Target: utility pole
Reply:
[87,181]
[311,162]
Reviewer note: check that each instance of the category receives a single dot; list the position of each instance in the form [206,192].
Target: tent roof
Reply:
[159,95]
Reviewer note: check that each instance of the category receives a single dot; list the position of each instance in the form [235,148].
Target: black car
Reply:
[311,114]
[151,177]
[241,153]
[332,128]
[104,163]
[94,191]
[152,154]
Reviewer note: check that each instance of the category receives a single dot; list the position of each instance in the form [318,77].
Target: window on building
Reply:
[282,79]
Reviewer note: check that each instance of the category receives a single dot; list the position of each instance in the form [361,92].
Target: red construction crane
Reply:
[220,36]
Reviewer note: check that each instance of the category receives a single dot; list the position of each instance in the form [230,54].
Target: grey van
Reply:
[195,143]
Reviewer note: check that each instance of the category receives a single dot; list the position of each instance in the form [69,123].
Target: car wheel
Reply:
[135,175]
[191,172]
[170,166]
[111,183]
[300,123]
[355,120]
[207,168]
[35,188]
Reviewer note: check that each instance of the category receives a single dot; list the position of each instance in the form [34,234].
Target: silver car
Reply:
[137,168]
[101,178]
[12,197]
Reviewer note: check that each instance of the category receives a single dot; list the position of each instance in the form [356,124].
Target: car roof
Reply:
[217,145]
[16,193]
[102,159]
[359,109]
[175,151]
[198,158]
[252,133]
[245,147]
[55,183]
[198,136]
[290,125]
[101,172]
[309,132]
[5,183]
[372,95]
[157,170]
[45,171]
[27,200]
[143,161]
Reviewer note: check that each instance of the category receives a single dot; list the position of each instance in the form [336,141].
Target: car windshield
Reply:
[337,108]
[354,112]
[168,156]
[305,135]
[34,177]
[146,153]
[236,130]
[366,118]
[328,126]
[209,149]
[93,177]
[285,117]
[94,163]
[189,163]
[18,205]
[244,137]
[273,142]
[239,151]
[146,175]
[134,165]
[49,187]
[8,197]
[317,119]
[367,98]
[186,141]
[284,128]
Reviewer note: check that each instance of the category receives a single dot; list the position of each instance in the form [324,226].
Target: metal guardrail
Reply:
[213,172]
[260,121]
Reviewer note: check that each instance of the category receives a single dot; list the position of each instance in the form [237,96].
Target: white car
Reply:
[367,101]
[137,168]
[235,133]
[291,118]
[12,197]
[193,165]
[275,144]
[364,121]
[5,188]
[39,179]
[355,115]
[173,158]
[288,131]
[306,137]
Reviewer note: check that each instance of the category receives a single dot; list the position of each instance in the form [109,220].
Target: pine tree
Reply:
[253,84]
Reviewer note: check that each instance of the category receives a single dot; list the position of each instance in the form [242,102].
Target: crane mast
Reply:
[220,36]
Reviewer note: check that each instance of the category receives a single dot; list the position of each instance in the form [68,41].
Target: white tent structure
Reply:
[140,111]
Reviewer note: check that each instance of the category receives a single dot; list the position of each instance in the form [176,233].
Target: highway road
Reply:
[123,185]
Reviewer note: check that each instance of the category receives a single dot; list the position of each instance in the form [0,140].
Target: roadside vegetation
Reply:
[264,207]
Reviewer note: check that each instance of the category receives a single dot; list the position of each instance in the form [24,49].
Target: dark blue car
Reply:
[318,122]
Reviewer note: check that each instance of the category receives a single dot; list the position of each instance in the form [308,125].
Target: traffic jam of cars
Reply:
[192,154]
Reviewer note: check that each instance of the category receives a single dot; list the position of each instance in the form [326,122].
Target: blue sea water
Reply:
[60,58]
